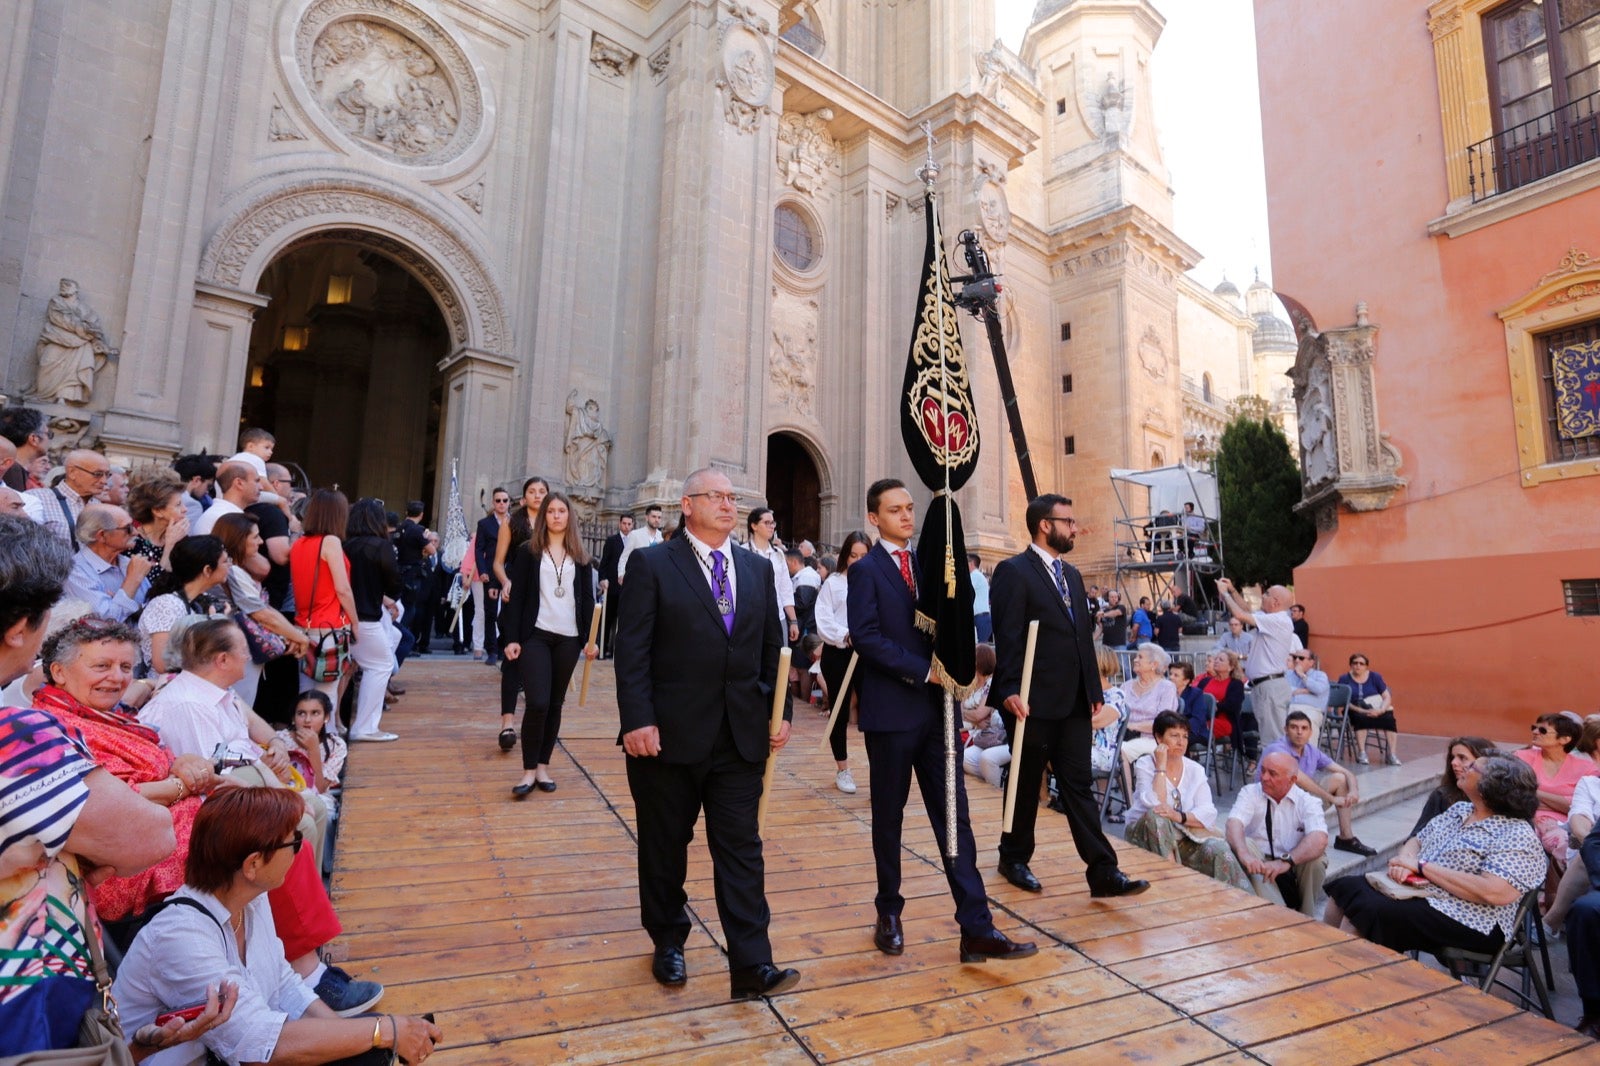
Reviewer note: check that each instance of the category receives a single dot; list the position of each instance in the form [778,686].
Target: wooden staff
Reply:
[588,664]
[780,696]
[605,598]
[838,701]
[1022,725]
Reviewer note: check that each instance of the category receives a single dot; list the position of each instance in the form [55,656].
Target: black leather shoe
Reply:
[545,786]
[521,791]
[994,946]
[1118,884]
[887,935]
[667,966]
[753,982]
[1019,874]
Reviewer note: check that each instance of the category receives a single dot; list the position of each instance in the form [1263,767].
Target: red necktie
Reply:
[905,571]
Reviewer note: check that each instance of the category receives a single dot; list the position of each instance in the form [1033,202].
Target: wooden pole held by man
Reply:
[1022,723]
[780,694]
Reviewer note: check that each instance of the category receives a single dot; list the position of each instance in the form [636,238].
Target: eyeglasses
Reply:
[1301,658]
[1542,729]
[295,844]
[129,528]
[729,498]
[98,475]
[1068,521]
[1358,662]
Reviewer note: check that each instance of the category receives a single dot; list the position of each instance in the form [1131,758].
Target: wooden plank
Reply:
[1257,981]
[1221,954]
[1519,1038]
[1172,1044]
[1368,1037]
[1270,1017]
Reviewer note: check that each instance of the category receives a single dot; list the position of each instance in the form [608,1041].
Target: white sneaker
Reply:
[1361,757]
[375,736]
[845,783]
[1392,759]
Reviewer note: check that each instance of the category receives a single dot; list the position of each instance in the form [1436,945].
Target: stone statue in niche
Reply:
[72,348]
[806,150]
[588,447]
[746,80]
[991,69]
[1318,455]
[383,88]
[1108,108]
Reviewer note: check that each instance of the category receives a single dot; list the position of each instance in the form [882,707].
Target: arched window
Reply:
[794,238]
[806,34]
[1205,387]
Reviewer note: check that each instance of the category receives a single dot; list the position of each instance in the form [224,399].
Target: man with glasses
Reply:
[1039,585]
[1264,667]
[697,665]
[104,576]
[1308,688]
[87,474]
[486,589]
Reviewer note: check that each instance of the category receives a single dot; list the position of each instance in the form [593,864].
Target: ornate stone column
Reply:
[479,400]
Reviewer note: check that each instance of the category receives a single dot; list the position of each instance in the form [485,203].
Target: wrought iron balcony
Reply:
[1535,149]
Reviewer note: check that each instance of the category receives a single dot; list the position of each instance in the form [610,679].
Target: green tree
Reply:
[1263,538]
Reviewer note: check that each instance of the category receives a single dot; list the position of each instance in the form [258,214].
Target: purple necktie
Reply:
[719,589]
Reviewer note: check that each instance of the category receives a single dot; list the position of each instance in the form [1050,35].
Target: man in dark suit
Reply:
[487,596]
[697,664]
[610,587]
[1064,695]
[902,717]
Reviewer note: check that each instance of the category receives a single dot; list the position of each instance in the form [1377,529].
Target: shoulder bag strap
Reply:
[66,512]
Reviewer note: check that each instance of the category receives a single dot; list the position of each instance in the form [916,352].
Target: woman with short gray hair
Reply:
[1458,882]
[1148,694]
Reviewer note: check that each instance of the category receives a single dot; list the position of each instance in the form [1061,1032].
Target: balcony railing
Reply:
[1535,149]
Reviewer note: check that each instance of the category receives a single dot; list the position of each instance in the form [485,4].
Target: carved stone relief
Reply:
[1344,456]
[472,196]
[793,360]
[390,79]
[1107,105]
[72,348]
[1153,354]
[991,70]
[807,152]
[609,59]
[994,212]
[746,81]
[659,61]
[280,127]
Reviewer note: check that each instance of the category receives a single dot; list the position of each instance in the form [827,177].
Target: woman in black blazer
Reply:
[542,623]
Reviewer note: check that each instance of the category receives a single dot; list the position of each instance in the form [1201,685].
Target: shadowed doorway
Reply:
[343,370]
[794,490]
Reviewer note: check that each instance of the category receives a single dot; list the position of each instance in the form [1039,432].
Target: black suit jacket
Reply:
[1066,677]
[483,544]
[677,666]
[610,556]
[519,614]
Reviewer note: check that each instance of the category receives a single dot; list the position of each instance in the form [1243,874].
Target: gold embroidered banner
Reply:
[1575,372]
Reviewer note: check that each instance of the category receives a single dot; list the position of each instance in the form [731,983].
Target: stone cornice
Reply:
[1129,223]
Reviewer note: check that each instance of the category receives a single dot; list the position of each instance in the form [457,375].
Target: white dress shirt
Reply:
[1294,817]
[182,951]
[194,716]
[780,579]
[218,508]
[833,615]
[642,537]
[99,584]
[1274,640]
[703,551]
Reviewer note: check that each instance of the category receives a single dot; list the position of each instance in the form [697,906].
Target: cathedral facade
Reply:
[605,241]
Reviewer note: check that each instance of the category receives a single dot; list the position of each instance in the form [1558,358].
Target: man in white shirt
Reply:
[981,616]
[240,488]
[643,537]
[1279,835]
[87,474]
[111,583]
[1269,692]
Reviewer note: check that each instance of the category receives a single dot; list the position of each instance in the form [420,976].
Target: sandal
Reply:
[508,739]
[1116,819]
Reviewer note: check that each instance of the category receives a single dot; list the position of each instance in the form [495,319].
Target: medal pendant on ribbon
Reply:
[560,592]
[724,605]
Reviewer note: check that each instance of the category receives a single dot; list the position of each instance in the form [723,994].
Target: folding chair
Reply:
[1517,954]
[1336,736]
[1207,749]
[1113,778]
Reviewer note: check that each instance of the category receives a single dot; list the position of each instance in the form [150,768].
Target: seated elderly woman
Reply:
[1172,813]
[218,926]
[1473,863]
[88,664]
[1557,768]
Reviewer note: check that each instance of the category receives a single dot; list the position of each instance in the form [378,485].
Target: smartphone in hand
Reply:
[188,1014]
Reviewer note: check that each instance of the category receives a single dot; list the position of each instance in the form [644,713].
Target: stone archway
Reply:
[797,488]
[427,238]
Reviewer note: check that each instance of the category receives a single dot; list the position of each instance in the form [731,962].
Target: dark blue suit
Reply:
[483,544]
[902,717]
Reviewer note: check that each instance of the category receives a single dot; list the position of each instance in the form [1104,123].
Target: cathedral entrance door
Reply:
[342,369]
[794,489]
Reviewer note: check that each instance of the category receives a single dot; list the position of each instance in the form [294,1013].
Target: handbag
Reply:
[265,645]
[329,649]
[100,1039]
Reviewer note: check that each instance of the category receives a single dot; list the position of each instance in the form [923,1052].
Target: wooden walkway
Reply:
[517,924]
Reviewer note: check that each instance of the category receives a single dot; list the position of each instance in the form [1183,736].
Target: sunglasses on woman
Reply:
[295,844]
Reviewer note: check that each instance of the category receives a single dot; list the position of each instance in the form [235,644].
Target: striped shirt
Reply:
[42,792]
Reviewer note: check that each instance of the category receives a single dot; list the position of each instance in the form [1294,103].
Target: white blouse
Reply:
[558,614]
[1193,792]
[832,613]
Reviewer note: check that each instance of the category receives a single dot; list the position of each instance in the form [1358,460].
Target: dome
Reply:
[1272,332]
[1045,8]
[1227,288]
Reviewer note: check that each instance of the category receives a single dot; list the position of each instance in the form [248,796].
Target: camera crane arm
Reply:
[979,294]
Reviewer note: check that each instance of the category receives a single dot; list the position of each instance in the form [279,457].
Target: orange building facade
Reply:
[1440,166]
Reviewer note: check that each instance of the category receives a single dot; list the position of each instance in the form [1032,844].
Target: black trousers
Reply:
[1063,743]
[668,798]
[835,661]
[546,666]
[491,617]
[892,760]
[510,686]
